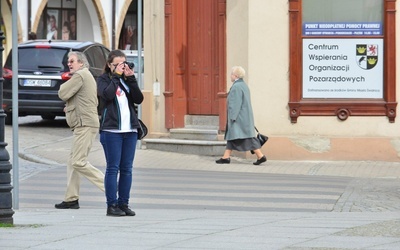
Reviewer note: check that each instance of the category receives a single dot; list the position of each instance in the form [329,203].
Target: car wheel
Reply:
[8,119]
[48,117]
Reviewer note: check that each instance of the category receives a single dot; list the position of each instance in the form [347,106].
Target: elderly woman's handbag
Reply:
[261,138]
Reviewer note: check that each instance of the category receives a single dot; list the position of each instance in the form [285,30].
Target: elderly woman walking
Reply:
[240,132]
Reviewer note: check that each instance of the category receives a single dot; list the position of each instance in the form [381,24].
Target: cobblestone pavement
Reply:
[370,195]
[380,229]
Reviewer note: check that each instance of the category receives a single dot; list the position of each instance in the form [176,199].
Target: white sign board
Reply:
[343,68]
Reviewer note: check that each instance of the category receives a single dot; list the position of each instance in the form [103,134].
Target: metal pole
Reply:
[113,25]
[140,80]
[29,17]
[139,14]
[6,211]
[15,110]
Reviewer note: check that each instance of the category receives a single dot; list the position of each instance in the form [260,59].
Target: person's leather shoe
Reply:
[261,160]
[223,161]
[67,205]
[127,210]
[114,210]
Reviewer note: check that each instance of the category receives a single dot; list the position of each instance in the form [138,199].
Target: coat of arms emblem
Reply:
[367,55]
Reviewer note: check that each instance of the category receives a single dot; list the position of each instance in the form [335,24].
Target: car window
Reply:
[95,57]
[39,58]
[106,52]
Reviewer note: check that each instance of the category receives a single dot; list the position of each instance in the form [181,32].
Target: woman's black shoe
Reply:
[67,205]
[261,160]
[223,161]
[114,210]
[127,210]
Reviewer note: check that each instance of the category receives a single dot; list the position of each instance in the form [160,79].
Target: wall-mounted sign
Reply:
[343,29]
[343,68]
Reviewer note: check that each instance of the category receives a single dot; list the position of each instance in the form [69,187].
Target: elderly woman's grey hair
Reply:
[80,57]
[238,71]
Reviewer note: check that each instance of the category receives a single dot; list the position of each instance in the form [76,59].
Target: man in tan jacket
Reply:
[80,95]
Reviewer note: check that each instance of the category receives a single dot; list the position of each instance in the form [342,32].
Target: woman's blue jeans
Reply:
[119,150]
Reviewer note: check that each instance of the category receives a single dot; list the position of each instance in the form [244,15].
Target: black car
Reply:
[42,68]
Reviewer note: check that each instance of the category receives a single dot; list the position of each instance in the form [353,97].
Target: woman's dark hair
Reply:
[110,59]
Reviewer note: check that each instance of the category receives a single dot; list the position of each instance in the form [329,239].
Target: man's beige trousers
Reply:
[79,166]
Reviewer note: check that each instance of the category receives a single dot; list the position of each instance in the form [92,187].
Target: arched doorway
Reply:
[128,38]
[58,21]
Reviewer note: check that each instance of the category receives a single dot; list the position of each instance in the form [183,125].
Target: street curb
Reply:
[36,159]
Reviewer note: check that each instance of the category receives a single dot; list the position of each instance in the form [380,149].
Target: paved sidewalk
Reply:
[57,152]
[188,229]
[204,229]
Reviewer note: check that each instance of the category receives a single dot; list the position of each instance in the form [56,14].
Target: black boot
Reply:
[114,210]
[127,210]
